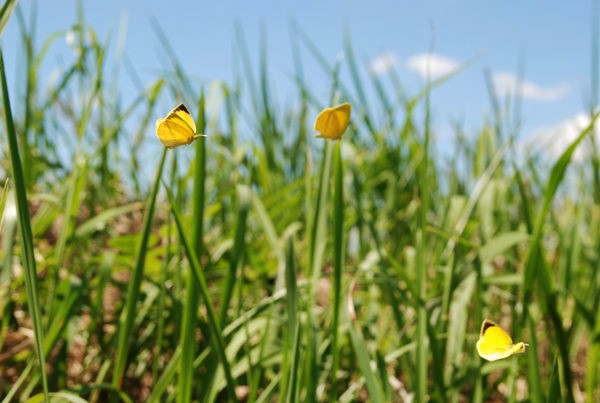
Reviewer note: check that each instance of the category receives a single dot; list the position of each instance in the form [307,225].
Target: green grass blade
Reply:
[5,13]
[128,314]
[317,216]
[293,324]
[188,341]
[102,220]
[216,335]
[316,248]
[592,381]
[457,325]
[167,273]
[72,205]
[338,258]
[70,290]
[162,384]
[536,267]
[533,368]
[237,252]
[188,326]
[25,233]
[554,385]
[556,176]
[374,387]
[3,198]
[422,264]
[349,53]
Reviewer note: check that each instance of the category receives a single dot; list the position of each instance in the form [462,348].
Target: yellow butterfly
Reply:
[494,343]
[177,128]
[332,122]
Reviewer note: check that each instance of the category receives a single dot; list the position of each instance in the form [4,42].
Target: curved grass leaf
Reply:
[26,236]
[128,314]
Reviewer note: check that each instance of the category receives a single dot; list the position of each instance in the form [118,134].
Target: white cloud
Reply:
[509,84]
[383,63]
[554,140]
[432,66]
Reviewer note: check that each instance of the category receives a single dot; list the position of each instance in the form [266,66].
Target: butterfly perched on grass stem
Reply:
[494,343]
[332,122]
[177,128]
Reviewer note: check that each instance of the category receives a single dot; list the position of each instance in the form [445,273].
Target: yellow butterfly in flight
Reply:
[332,122]
[494,343]
[177,128]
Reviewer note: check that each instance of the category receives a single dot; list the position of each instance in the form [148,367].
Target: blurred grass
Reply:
[279,266]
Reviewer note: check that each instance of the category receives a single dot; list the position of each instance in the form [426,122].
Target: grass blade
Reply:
[133,290]
[293,324]
[338,258]
[3,198]
[25,233]
[421,263]
[5,13]
[216,336]
[536,267]
[358,343]
[189,323]
[237,253]
[592,385]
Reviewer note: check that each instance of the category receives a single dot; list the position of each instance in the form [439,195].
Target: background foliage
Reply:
[258,260]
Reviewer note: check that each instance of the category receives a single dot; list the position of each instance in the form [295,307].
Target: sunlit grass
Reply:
[261,263]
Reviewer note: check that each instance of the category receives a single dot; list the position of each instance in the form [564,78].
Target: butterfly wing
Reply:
[342,117]
[177,128]
[322,123]
[181,112]
[332,122]
[494,343]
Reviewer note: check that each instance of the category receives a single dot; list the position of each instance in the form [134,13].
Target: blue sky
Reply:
[551,39]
